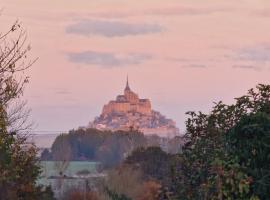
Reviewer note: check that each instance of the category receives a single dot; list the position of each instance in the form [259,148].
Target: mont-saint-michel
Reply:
[128,111]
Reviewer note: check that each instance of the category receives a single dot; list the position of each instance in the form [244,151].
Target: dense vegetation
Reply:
[109,148]
[226,155]
[94,145]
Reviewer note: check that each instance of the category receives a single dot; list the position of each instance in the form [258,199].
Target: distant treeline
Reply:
[107,147]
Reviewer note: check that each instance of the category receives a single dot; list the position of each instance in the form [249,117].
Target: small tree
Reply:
[62,154]
[61,157]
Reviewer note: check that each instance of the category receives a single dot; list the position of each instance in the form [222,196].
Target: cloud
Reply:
[109,28]
[113,14]
[107,59]
[164,11]
[189,63]
[62,92]
[195,66]
[262,13]
[253,67]
[256,54]
[180,60]
[187,10]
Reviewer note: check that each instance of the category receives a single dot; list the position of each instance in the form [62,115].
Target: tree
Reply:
[150,191]
[126,183]
[249,143]
[216,162]
[153,162]
[109,148]
[18,162]
[157,167]
[62,154]
[61,157]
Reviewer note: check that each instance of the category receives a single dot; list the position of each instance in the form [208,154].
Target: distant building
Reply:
[129,111]
[129,102]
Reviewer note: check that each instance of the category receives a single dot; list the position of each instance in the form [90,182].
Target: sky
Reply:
[182,54]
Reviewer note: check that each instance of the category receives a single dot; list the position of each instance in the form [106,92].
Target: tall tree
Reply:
[18,162]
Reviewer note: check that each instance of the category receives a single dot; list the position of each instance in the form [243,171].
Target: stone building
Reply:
[128,110]
[129,102]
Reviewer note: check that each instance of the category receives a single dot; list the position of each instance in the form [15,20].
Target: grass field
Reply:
[51,169]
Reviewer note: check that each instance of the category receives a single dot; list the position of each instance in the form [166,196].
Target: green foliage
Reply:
[46,155]
[19,168]
[249,141]
[110,148]
[153,162]
[157,165]
[18,164]
[227,153]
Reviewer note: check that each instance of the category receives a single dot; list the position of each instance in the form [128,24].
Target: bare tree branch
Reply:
[13,64]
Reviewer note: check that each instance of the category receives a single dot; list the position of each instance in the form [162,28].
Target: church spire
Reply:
[127,84]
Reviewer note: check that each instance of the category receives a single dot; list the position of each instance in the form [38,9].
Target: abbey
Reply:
[128,110]
[129,102]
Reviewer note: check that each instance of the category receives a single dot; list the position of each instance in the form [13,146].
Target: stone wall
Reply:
[144,108]
[129,102]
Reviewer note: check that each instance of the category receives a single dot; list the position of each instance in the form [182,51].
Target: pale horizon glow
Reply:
[182,54]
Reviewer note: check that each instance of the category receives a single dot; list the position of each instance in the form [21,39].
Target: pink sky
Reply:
[183,55]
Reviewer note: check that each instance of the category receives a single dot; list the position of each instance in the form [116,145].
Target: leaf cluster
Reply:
[226,156]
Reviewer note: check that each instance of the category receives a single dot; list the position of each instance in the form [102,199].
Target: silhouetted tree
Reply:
[226,154]
[18,163]
[153,162]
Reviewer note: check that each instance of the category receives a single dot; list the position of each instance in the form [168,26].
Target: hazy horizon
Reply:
[181,54]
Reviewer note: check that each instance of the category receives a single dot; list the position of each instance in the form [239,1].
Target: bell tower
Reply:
[130,95]
[127,85]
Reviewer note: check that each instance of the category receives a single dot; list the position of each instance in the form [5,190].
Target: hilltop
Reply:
[128,111]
